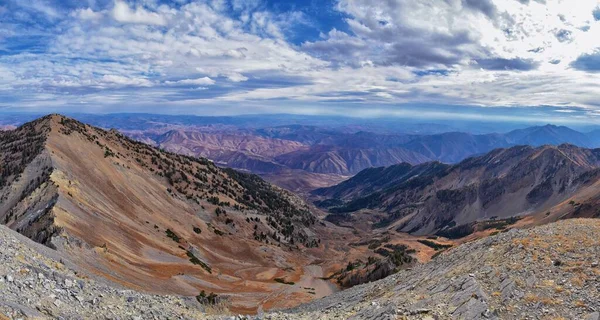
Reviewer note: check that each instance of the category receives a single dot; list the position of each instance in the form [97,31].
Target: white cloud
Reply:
[88,14]
[205,81]
[236,77]
[123,13]
[125,81]
[462,33]
[495,53]
[40,6]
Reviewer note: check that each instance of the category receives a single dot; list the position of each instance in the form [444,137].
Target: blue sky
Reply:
[501,59]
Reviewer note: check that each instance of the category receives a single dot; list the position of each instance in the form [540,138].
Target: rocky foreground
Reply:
[548,272]
[37,283]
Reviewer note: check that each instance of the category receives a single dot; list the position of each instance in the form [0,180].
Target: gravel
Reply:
[34,283]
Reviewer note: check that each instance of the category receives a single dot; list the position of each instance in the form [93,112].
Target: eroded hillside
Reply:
[154,220]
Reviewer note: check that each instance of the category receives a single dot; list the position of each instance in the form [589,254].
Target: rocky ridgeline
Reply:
[548,272]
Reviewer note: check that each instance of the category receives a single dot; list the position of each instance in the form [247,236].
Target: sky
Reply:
[447,59]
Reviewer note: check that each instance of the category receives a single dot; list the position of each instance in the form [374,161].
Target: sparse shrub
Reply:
[172,235]
[436,246]
[210,299]
[280,280]
[195,260]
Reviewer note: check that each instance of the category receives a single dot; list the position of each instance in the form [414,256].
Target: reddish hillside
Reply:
[154,220]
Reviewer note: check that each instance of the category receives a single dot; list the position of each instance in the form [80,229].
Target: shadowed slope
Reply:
[431,197]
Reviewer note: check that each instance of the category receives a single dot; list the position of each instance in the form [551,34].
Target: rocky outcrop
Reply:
[27,195]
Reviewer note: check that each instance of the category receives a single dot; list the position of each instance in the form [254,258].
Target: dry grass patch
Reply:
[559,289]
[580,304]
[578,280]
[550,301]
[548,283]
[531,298]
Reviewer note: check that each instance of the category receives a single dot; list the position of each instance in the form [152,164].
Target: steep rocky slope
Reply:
[548,272]
[39,283]
[435,197]
[150,219]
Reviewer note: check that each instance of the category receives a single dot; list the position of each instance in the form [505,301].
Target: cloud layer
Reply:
[349,56]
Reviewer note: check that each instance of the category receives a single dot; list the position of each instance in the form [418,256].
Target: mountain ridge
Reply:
[432,197]
[146,218]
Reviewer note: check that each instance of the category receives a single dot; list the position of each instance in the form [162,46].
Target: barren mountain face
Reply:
[154,220]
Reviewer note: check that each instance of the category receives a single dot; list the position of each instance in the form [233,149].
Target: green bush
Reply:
[203,298]
[172,235]
[195,260]
[434,245]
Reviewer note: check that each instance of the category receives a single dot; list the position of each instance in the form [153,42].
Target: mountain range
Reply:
[339,153]
[302,157]
[546,182]
[321,150]
[136,215]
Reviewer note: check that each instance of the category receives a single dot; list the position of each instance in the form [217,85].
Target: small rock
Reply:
[593,316]
[421,311]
